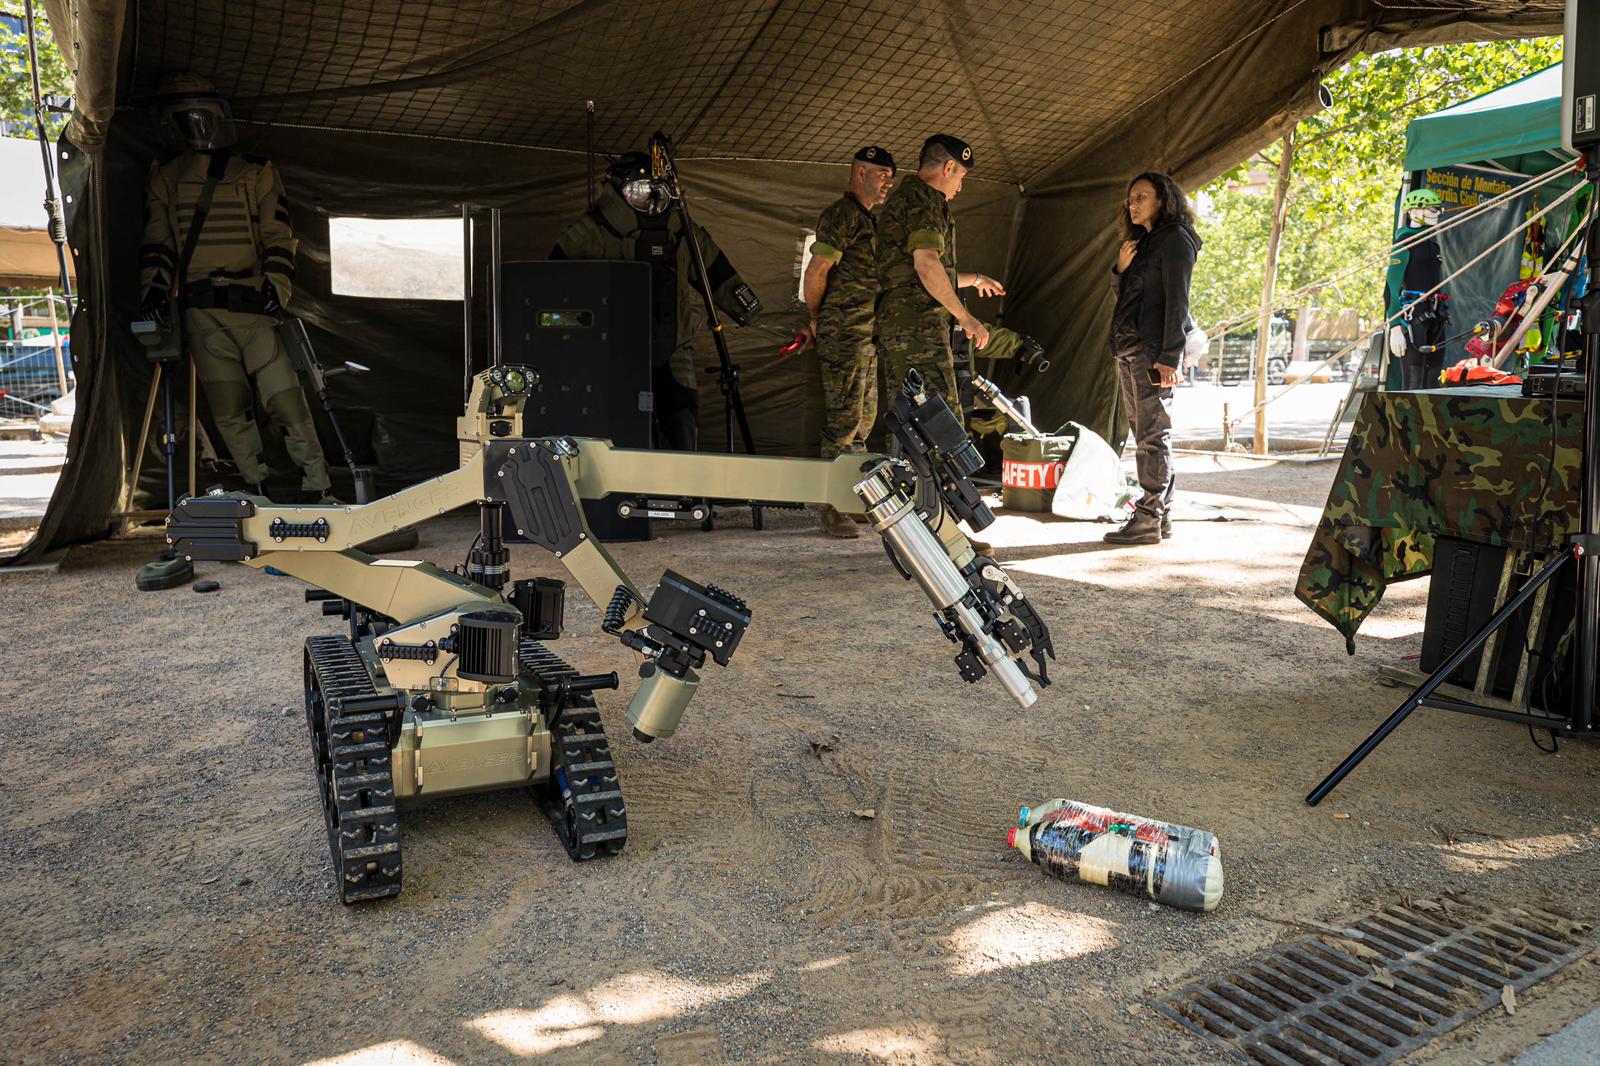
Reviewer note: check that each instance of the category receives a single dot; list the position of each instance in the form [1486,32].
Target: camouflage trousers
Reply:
[849,387]
[231,349]
[920,343]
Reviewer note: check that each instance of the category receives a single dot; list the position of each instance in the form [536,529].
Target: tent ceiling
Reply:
[766,79]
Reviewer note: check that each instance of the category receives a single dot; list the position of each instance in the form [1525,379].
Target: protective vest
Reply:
[247,236]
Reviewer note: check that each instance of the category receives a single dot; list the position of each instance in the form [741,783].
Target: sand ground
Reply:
[167,893]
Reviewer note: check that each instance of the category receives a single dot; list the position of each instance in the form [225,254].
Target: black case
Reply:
[584,325]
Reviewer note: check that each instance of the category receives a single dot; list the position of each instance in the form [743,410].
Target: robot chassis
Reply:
[444,684]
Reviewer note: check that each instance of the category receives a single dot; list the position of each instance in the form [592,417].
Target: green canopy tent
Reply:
[1474,150]
[1516,128]
[391,108]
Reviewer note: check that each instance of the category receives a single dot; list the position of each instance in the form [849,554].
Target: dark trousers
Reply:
[1149,409]
[677,411]
[1427,326]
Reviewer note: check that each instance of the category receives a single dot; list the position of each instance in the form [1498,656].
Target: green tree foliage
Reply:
[1346,173]
[16,81]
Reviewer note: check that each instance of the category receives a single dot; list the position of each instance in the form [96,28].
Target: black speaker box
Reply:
[1461,597]
[1580,77]
[584,325]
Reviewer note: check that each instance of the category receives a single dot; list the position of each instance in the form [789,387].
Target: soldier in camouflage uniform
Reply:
[632,220]
[240,272]
[841,292]
[1473,463]
[917,276]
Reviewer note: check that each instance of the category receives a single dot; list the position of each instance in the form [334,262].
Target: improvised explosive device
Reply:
[1171,864]
[445,685]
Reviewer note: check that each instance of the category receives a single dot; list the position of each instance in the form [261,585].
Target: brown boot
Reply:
[1142,528]
[838,525]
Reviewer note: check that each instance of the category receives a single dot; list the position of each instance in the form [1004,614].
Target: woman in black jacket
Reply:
[1147,338]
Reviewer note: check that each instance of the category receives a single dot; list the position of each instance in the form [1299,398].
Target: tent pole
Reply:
[55,339]
[52,204]
[1280,197]
[194,429]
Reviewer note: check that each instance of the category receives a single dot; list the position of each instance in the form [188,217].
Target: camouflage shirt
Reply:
[846,237]
[916,216]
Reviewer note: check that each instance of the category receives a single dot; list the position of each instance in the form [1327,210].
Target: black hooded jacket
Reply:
[1152,308]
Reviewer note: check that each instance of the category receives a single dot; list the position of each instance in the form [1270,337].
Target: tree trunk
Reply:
[1280,197]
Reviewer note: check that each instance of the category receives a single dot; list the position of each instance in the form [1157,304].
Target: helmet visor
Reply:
[648,196]
[203,121]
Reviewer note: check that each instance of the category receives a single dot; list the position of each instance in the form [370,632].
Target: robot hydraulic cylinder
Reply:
[895,517]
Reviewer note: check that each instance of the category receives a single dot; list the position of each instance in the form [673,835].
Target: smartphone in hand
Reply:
[1154,375]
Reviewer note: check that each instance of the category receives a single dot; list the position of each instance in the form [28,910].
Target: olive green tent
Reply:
[384,108]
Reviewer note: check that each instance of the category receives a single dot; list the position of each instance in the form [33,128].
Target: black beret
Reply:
[876,156]
[959,150]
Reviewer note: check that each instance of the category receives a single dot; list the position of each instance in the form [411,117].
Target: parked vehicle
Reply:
[29,378]
[1232,359]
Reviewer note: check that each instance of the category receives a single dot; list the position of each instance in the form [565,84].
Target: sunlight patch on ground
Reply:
[888,1044]
[1486,856]
[1217,564]
[631,999]
[392,1053]
[1025,936]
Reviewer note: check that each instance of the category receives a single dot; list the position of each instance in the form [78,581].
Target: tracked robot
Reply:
[445,685]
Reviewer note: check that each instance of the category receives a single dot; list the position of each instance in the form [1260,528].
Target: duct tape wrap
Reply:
[1171,864]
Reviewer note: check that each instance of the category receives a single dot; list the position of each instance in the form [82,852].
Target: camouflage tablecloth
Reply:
[1467,462]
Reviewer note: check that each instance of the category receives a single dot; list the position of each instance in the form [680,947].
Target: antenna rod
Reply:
[494,285]
[588,145]
[466,301]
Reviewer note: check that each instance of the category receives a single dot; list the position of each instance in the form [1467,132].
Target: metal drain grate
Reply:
[1379,988]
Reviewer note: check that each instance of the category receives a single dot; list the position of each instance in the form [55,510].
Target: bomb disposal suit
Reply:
[632,220]
[238,271]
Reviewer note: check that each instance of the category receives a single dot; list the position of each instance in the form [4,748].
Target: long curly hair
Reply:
[1174,205]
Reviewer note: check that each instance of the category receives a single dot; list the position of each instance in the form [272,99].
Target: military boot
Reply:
[1166,525]
[838,525]
[1142,528]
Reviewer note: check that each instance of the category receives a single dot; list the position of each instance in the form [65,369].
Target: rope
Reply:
[1442,283]
[1290,299]
[1481,256]
[1553,283]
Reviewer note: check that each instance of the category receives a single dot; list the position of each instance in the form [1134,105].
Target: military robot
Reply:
[445,685]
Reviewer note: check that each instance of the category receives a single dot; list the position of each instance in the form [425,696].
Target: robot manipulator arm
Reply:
[684,623]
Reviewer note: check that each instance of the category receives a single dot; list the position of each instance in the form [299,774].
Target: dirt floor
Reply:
[167,893]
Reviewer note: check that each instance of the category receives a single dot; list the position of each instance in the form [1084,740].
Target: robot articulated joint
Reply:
[685,623]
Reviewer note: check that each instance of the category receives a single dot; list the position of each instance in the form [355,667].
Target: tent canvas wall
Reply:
[382,107]
[1475,150]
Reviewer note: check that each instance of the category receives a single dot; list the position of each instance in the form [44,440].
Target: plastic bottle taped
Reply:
[1171,864]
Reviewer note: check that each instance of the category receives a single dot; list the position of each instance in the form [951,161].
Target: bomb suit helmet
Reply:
[631,176]
[192,105]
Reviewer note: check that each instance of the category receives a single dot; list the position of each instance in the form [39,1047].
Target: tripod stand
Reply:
[1582,550]
[165,351]
[727,370]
